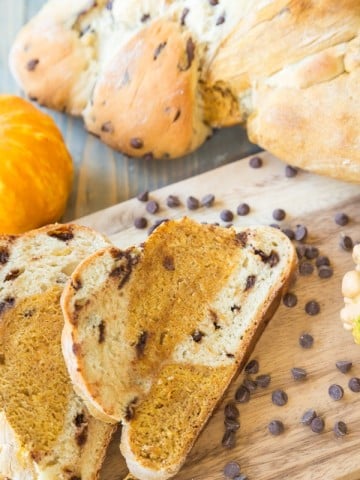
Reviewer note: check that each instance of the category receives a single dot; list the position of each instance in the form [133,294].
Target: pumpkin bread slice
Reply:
[154,335]
[45,429]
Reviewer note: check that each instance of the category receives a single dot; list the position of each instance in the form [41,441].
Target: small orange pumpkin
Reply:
[36,169]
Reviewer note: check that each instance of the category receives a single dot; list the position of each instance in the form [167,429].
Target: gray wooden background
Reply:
[104,177]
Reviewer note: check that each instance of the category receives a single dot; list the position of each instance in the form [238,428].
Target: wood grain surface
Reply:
[104,177]
[299,453]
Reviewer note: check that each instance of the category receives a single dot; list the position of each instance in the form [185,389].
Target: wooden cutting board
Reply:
[298,453]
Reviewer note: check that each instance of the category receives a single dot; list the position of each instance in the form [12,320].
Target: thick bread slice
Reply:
[46,431]
[153,336]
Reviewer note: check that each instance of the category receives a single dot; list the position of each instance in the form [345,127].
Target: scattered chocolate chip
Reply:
[279,398]
[312,308]
[243,209]
[197,336]
[226,215]
[241,238]
[4,255]
[62,235]
[208,200]
[143,196]
[32,64]
[298,373]
[300,233]
[354,384]
[250,282]
[250,385]
[340,429]
[317,425]
[109,4]
[290,300]
[341,219]
[336,392]
[231,411]
[322,260]
[214,2]
[311,252]
[308,417]
[183,16]
[235,308]
[136,143]
[252,367]
[343,365]
[157,52]
[276,427]
[273,259]
[140,222]
[152,207]
[145,17]
[346,243]
[148,156]
[231,424]
[305,268]
[289,233]
[101,331]
[141,343]
[255,162]
[300,251]
[156,224]
[168,263]
[12,275]
[263,380]
[81,435]
[7,303]
[107,127]
[279,214]
[306,340]
[229,439]
[220,20]
[290,171]
[172,201]
[242,394]
[192,203]
[231,469]
[190,51]
[325,271]
[275,225]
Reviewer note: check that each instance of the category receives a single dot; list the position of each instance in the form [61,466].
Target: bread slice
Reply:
[45,429]
[154,335]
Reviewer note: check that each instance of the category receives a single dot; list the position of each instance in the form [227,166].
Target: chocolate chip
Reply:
[243,209]
[130,409]
[220,20]
[143,196]
[300,233]
[235,308]
[354,384]
[63,235]
[250,282]
[241,238]
[275,225]
[341,219]
[263,380]
[4,255]
[290,171]
[276,427]
[279,398]
[109,4]
[298,373]
[252,367]
[140,222]
[12,275]
[231,424]
[168,263]
[192,203]
[308,417]
[229,439]
[81,435]
[311,252]
[141,343]
[145,17]
[322,260]
[101,331]
[7,303]
[226,215]
[312,308]
[290,300]
[346,243]
[183,16]
[306,340]
[317,425]
[231,469]
[289,233]
[172,201]
[156,224]
[305,268]
[136,143]
[343,365]
[152,207]
[197,336]
[157,52]
[190,51]
[32,64]
[300,251]
[340,429]
[279,214]
[242,394]
[214,2]
[325,271]
[336,392]
[107,127]
[231,411]
[208,200]
[255,162]
[273,259]
[250,385]
[148,156]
